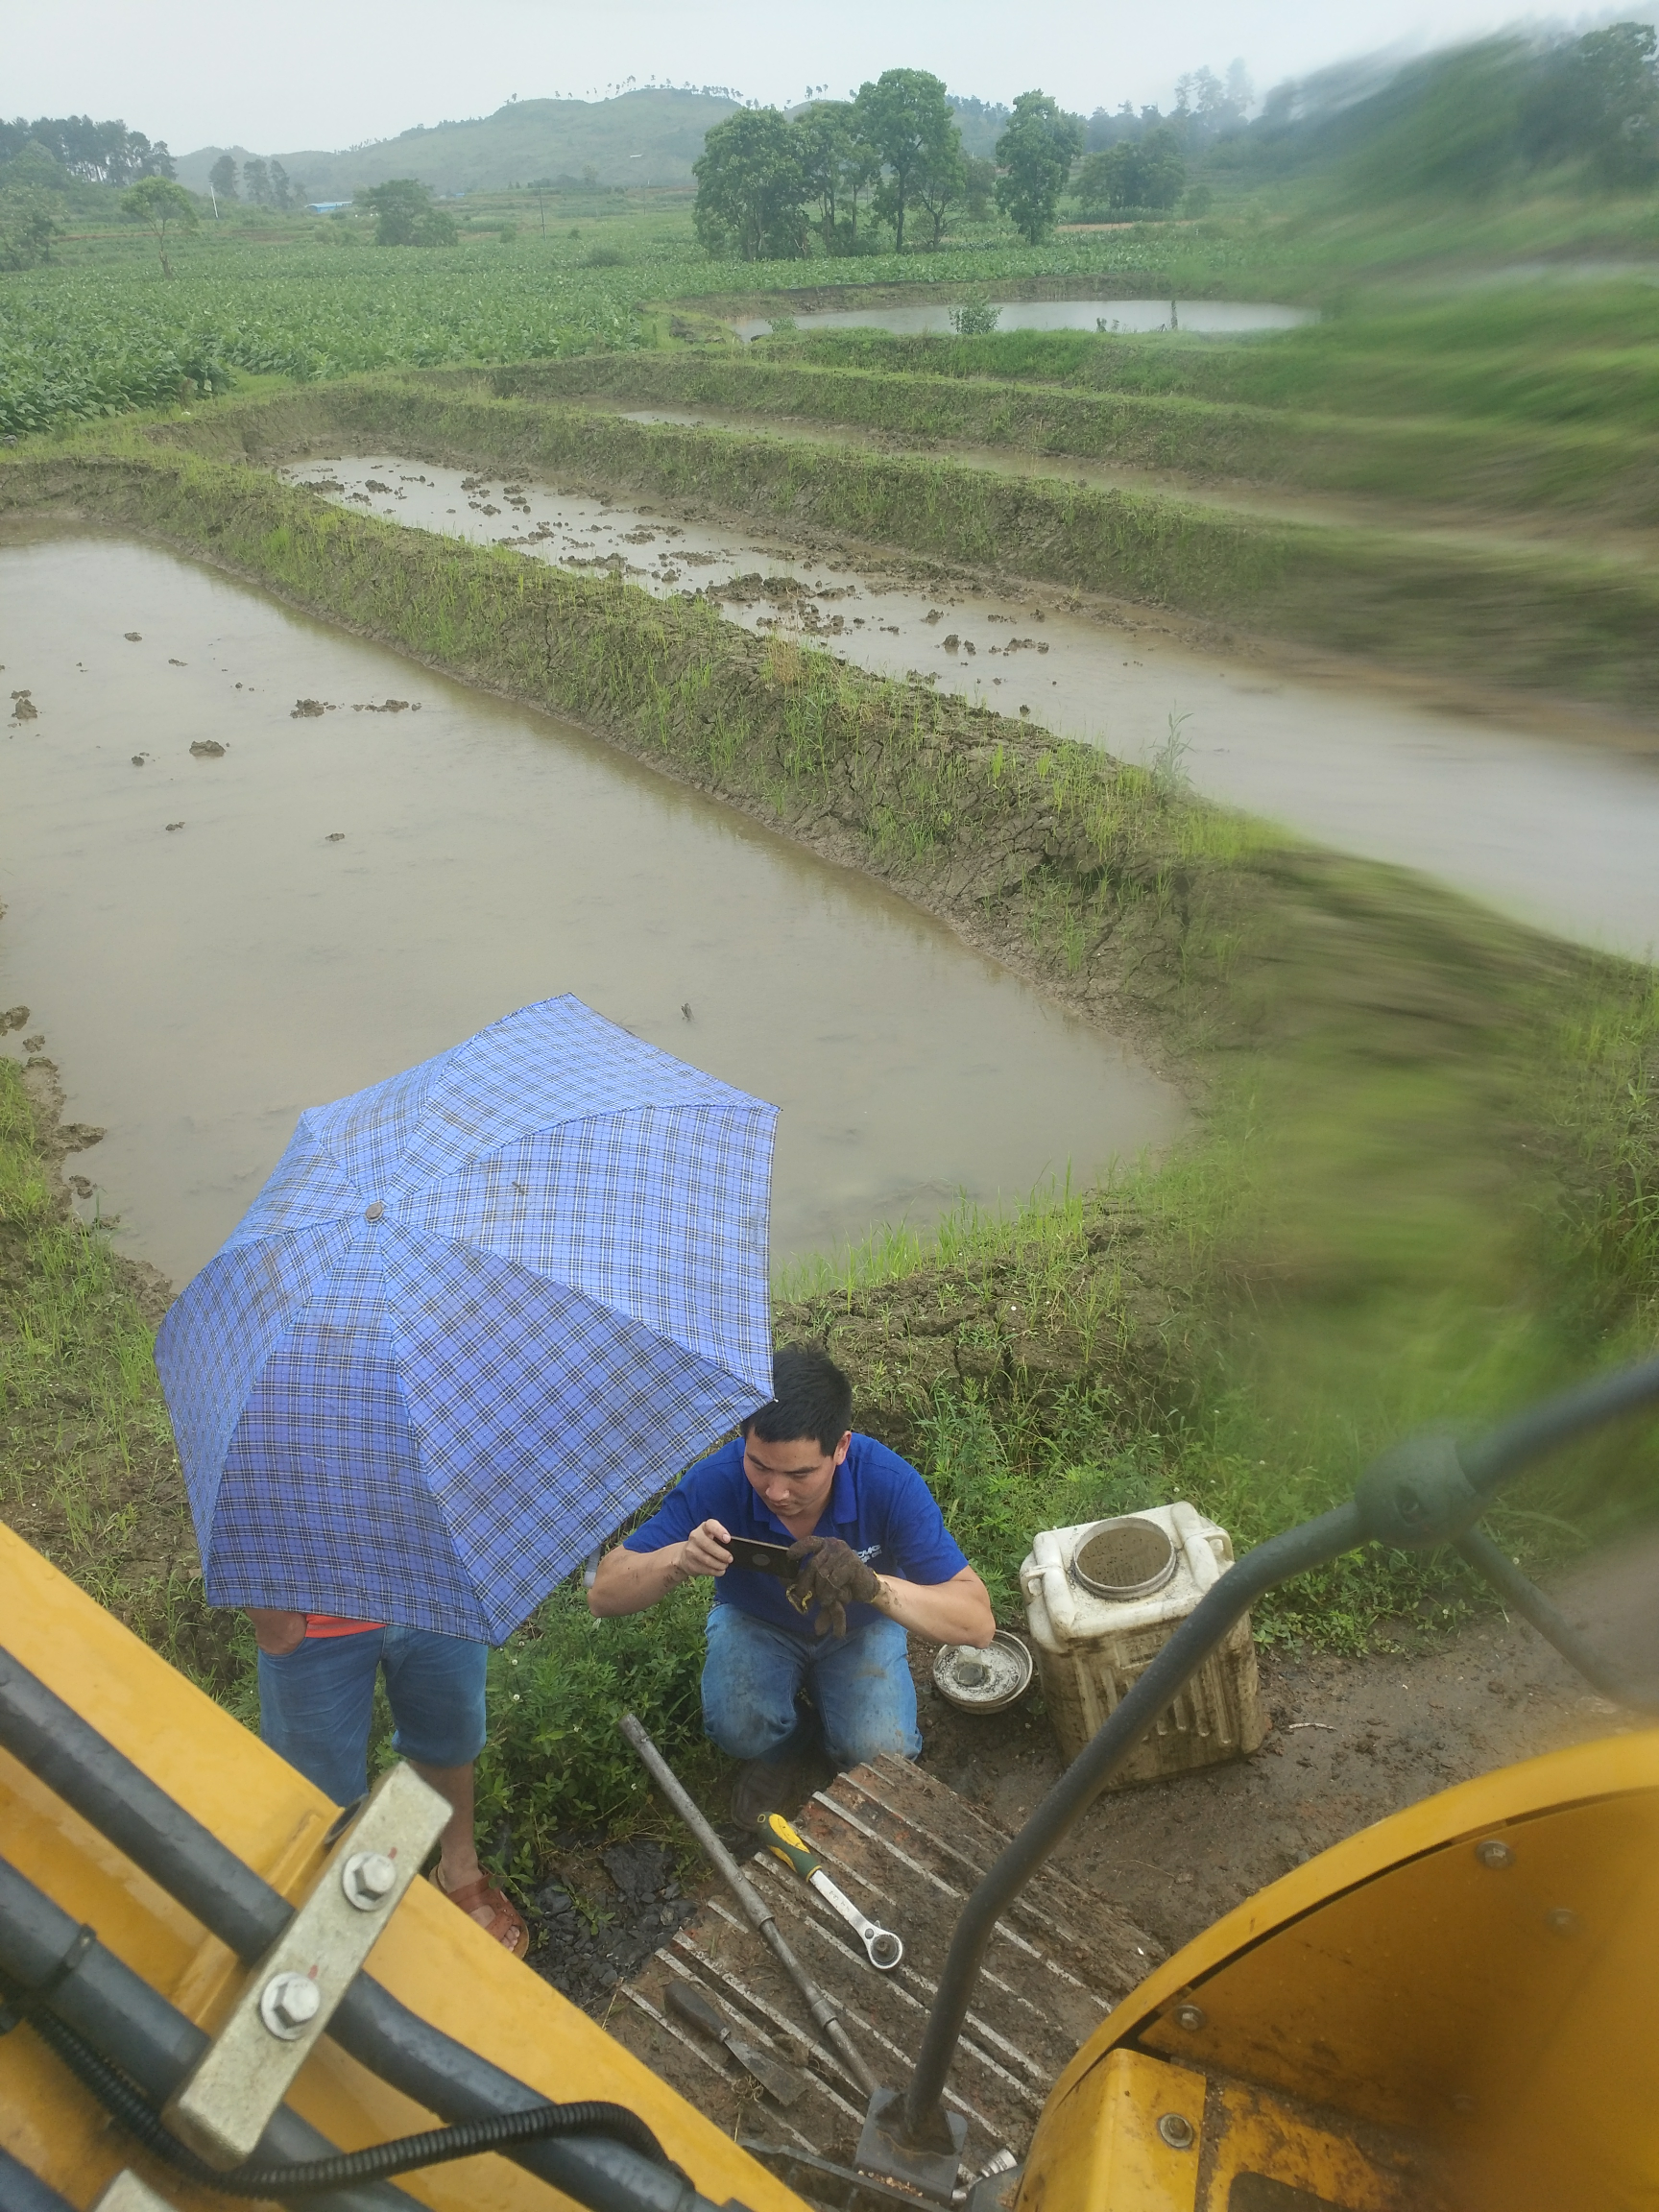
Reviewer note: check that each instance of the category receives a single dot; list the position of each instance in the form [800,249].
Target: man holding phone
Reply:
[825,1548]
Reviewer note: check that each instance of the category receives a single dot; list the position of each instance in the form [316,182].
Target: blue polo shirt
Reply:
[877,1504]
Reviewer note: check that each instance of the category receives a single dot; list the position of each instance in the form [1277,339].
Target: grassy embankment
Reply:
[1485,405]
[1560,620]
[1419,1181]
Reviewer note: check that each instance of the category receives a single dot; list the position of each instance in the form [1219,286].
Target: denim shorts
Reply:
[317,1704]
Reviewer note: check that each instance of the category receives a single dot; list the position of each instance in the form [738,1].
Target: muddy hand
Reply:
[831,1576]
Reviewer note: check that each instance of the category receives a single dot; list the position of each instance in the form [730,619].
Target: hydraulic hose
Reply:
[116,2013]
[315,2176]
[233,1902]
[1224,1602]
[22,2190]
[1504,1450]
[1530,1601]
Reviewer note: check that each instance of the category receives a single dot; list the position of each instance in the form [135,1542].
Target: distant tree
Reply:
[405,214]
[224,177]
[1148,171]
[1036,152]
[162,205]
[982,185]
[751,190]
[256,181]
[281,191]
[98,153]
[904,116]
[27,229]
[941,187]
[834,168]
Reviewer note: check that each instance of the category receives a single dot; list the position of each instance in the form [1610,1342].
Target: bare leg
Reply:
[458,1845]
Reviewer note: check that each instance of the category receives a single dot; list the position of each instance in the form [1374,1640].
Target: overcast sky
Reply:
[322,74]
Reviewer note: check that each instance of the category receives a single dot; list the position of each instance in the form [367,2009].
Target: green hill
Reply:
[643,137]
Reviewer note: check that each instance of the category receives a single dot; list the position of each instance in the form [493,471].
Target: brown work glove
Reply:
[831,1576]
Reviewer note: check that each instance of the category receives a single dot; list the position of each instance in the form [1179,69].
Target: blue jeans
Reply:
[860,1685]
[317,1704]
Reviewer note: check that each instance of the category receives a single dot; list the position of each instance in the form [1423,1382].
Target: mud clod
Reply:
[206,749]
[137,759]
[23,708]
[174,825]
[134,636]
[304,708]
[14,1017]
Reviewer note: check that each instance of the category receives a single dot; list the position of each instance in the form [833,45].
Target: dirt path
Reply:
[1353,1741]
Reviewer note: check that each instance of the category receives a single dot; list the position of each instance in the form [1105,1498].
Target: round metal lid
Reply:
[1125,1559]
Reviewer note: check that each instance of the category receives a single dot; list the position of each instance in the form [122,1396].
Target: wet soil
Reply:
[1556,825]
[1353,1740]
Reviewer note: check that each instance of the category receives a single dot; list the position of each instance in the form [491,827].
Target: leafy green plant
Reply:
[973,315]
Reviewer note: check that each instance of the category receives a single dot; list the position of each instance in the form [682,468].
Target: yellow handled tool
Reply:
[882,1946]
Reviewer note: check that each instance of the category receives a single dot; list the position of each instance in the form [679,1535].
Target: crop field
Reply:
[106,332]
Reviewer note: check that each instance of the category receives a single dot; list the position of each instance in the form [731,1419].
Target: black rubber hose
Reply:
[189,1862]
[1227,1600]
[1504,1450]
[1531,1602]
[117,2014]
[22,2190]
[312,2177]
[120,1800]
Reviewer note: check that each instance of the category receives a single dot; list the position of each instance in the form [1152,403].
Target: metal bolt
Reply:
[1561,1920]
[1178,2132]
[368,1878]
[1189,2016]
[1494,1855]
[374,1212]
[289,2003]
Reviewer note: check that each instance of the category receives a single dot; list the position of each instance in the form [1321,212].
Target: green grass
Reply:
[1494,469]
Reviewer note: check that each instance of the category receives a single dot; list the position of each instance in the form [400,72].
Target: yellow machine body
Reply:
[437,1960]
[1455,2010]
[1451,2012]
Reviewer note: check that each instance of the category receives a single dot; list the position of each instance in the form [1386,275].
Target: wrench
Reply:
[882,1947]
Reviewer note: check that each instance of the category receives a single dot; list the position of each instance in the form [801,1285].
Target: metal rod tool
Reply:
[754,1906]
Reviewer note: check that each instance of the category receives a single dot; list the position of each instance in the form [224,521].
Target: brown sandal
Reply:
[504,1925]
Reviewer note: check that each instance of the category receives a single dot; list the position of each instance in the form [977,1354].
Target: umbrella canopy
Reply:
[479,1313]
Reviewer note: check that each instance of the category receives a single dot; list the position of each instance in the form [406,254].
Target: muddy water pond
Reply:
[1214,318]
[1560,832]
[221,906]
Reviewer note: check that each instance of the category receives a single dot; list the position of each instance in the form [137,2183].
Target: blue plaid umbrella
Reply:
[478,1315]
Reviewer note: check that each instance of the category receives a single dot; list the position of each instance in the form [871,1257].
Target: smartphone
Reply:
[763,1558]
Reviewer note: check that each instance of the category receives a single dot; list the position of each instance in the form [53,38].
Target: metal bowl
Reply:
[984,1681]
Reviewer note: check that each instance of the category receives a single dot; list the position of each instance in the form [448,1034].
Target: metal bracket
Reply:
[289,1999]
[128,2194]
[883,2149]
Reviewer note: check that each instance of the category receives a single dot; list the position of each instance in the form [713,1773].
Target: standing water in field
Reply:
[249,864]
[1204,317]
[1561,835]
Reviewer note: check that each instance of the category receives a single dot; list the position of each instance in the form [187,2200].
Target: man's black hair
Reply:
[810,1397]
